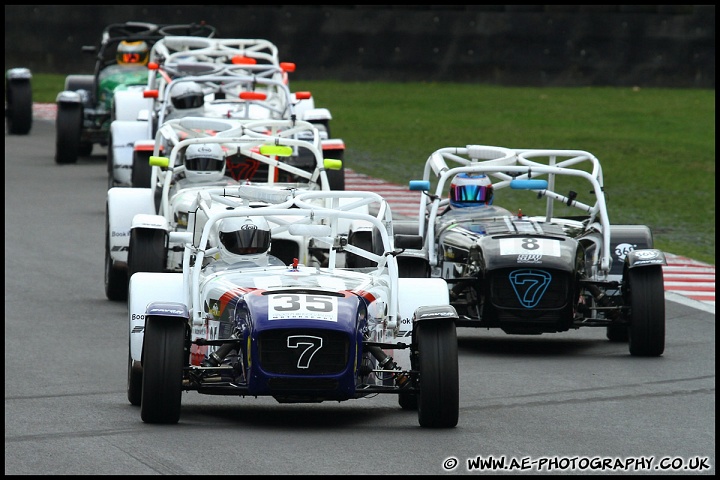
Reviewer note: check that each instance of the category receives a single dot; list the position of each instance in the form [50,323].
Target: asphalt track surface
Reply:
[549,402]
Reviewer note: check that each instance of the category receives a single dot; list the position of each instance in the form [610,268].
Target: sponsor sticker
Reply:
[290,306]
[530,246]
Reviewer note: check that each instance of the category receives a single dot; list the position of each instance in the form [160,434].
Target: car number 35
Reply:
[308,307]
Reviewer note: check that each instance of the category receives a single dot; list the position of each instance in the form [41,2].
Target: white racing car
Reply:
[139,220]
[216,78]
[238,322]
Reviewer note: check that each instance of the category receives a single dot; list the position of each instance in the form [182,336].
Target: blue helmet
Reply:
[467,190]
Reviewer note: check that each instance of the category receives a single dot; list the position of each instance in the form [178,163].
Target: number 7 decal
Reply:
[310,345]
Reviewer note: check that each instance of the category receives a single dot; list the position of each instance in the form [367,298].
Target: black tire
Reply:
[363,241]
[618,333]
[163,361]
[408,401]
[336,179]
[411,267]
[147,252]
[110,160]
[116,279]
[134,383]
[439,397]
[647,311]
[86,149]
[68,129]
[141,169]
[18,113]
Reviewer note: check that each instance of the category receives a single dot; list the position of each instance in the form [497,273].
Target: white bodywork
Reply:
[209,62]
[314,215]
[135,208]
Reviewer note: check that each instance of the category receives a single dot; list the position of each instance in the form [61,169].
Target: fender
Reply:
[129,103]
[124,134]
[157,290]
[333,146]
[150,221]
[435,312]
[302,106]
[122,205]
[644,258]
[312,114]
[414,293]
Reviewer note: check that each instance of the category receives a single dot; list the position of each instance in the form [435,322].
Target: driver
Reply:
[130,69]
[205,163]
[244,242]
[188,100]
[471,197]
[132,54]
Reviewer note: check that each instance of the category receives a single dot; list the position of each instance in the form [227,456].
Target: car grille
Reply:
[303,352]
[529,288]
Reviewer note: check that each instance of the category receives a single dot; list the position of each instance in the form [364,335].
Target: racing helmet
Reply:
[186,95]
[132,53]
[243,238]
[204,162]
[468,190]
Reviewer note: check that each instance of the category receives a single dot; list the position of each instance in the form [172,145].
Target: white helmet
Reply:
[243,239]
[185,95]
[204,162]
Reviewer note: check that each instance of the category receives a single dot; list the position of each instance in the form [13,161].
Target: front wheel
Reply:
[141,170]
[68,129]
[647,311]
[162,370]
[439,397]
[18,96]
[147,252]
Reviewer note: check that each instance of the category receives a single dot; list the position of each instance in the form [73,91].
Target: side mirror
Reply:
[332,164]
[419,185]
[162,162]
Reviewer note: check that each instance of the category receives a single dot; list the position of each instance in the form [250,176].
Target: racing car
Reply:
[237,322]
[237,96]
[85,107]
[139,220]
[550,264]
[18,101]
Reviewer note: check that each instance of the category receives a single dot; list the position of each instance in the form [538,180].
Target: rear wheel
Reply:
[336,179]
[410,267]
[162,370]
[147,251]
[361,240]
[18,95]
[408,401]
[116,279]
[134,383]
[86,149]
[618,333]
[68,128]
[141,169]
[439,398]
[647,311]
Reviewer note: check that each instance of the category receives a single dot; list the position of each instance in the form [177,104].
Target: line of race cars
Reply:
[249,270]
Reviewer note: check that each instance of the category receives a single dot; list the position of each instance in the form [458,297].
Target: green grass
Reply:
[656,146]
